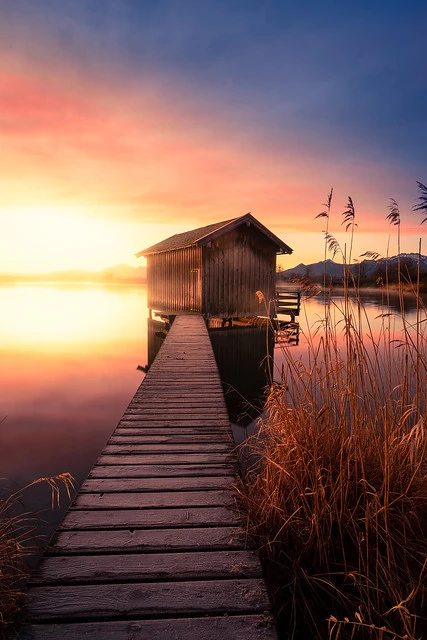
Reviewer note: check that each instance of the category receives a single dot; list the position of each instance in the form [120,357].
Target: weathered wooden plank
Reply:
[153,471]
[249,627]
[170,447]
[164,598]
[187,342]
[192,408]
[182,377]
[153,500]
[199,565]
[158,458]
[178,375]
[197,385]
[181,357]
[182,354]
[190,372]
[187,383]
[141,438]
[149,518]
[147,423]
[179,352]
[170,403]
[192,404]
[178,357]
[161,364]
[194,483]
[183,346]
[197,391]
[114,541]
[213,397]
[163,432]
[151,391]
[174,411]
[182,386]
[148,389]
[168,421]
[190,366]
[182,389]
[151,380]
[172,414]
[169,372]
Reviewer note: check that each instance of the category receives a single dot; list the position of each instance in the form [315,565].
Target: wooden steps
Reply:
[152,546]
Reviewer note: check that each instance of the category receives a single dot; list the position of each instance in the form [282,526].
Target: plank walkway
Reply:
[152,547]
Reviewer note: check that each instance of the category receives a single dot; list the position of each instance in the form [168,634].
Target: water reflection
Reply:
[376,298]
[68,358]
[382,330]
[45,318]
[244,356]
[157,330]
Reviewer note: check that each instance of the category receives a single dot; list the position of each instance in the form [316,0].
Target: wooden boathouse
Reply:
[214,270]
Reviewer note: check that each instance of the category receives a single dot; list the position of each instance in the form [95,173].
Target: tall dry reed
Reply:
[336,492]
[17,543]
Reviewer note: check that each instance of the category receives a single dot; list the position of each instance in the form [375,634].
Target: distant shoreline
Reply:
[118,274]
[55,281]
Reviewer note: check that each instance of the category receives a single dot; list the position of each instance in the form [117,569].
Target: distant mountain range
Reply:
[366,272]
[119,274]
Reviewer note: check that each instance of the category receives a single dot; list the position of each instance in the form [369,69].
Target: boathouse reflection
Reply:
[244,356]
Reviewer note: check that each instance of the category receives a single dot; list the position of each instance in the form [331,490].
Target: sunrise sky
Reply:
[123,122]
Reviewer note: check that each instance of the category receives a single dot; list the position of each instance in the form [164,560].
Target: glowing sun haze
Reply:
[123,122]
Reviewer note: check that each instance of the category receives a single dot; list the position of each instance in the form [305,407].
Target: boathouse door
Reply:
[195,290]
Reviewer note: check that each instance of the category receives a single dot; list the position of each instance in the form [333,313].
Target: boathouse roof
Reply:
[203,235]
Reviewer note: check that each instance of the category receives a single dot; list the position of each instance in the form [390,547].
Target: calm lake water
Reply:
[381,319]
[68,369]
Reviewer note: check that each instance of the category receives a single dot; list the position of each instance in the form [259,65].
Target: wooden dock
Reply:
[152,547]
[288,302]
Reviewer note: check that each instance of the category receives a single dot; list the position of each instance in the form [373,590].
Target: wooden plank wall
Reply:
[174,280]
[152,547]
[234,268]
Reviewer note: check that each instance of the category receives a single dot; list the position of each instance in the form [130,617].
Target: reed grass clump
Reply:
[337,495]
[17,542]
[335,492]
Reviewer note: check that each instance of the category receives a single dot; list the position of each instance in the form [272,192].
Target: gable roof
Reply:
[204,235]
